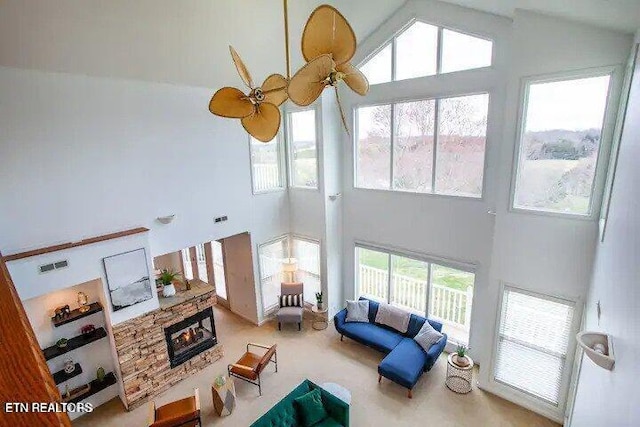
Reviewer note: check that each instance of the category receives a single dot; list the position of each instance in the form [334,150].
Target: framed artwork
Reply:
[128,278]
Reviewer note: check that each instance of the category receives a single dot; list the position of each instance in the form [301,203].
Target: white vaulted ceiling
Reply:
[180,42]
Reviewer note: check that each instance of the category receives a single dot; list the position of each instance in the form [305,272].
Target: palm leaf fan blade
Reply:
[264,123]
[354,78]
[275,89]
[307,84]
[242,69]
[231,103]
[328,32]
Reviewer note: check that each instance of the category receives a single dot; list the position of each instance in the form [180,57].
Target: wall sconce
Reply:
[289,267]
[166,219]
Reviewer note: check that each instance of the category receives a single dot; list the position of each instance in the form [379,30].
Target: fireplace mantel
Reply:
[198,288]
[142,350]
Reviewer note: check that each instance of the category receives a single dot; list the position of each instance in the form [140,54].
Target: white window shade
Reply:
[533,341]
[308,255]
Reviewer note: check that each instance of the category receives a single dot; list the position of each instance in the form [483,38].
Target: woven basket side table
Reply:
[459,378]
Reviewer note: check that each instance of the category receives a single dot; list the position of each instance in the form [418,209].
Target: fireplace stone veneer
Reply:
[143,355]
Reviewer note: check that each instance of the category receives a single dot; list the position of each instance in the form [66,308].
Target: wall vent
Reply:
[220,219]
[47,268]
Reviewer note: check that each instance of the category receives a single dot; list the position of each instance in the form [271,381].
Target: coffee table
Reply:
[338,391]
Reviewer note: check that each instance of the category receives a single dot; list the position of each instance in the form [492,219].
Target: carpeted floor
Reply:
[322,357]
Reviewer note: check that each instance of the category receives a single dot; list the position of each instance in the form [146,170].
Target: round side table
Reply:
[320,320]
[458,377]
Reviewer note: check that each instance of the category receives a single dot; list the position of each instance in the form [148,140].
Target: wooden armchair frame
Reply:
[257,371]
[177,421]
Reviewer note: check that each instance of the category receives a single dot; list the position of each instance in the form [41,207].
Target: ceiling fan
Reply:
[328,44]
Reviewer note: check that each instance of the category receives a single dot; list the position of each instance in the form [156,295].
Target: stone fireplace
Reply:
[190,337]
[146,368]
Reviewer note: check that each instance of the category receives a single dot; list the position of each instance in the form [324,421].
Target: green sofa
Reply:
[284,413]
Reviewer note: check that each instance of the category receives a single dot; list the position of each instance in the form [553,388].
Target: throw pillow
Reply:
[357,311]
[310,408]
[291,300]
[393,317]
[427,336]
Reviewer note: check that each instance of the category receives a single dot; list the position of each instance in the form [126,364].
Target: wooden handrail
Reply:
[69,245]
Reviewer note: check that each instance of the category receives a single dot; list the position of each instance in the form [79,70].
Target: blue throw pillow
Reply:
[310,408]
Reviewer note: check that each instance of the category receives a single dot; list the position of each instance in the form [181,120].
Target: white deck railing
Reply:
[448,305]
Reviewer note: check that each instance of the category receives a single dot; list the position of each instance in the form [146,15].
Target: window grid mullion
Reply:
[439,52]
[428,291]
[392,145]
[436,131]
[389,287]
[393,60]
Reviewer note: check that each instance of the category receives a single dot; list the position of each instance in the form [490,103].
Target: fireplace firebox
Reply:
[190,336]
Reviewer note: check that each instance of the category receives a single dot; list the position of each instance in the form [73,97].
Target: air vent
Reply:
[220,219]
[47,268]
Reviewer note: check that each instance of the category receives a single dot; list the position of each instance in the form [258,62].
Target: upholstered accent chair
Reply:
[290,314]
[181,413]
[250,365]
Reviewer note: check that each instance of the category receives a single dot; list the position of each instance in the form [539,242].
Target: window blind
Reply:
[308,255]
[532,344]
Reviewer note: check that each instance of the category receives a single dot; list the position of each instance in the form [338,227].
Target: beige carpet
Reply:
[322,357]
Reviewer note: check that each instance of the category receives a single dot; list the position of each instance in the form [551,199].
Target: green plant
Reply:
[167,277]
[62,342]
[462,350]
[319,297]
[100,374]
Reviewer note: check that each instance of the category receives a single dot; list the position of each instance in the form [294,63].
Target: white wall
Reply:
[543,253]
[608,397]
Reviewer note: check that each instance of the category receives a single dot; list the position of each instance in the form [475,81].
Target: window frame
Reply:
[531,399]
[293,237]
[392,41]
[429,259]
[603,148]
[288,135]
[267,311]
[281,166]
[436,98]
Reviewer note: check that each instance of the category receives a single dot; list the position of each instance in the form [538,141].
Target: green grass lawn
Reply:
[418,270]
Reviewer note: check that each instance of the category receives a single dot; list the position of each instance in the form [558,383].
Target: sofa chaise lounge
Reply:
[405,359]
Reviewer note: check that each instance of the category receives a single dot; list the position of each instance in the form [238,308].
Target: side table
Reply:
[224,397]
[320,320]
[458,377]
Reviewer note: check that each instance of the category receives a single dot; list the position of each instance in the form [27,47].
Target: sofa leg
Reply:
[299,326]
[409,394]
[341,336]
[279,326]
[379,378]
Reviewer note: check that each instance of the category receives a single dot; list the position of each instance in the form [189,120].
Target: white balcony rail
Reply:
[266,176]
[451,306]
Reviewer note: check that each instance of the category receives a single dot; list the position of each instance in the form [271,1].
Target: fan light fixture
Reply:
[328,44]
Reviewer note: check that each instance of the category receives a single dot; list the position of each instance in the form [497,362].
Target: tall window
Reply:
[442,293]
[186,264]
[303,150]
[218,269]
[418,156]
[202,263]
[271,256]
[266,165]
[415,53]
[559,144]
[307,253]
[533,343]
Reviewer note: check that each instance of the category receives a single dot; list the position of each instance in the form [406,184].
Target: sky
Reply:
[577,104]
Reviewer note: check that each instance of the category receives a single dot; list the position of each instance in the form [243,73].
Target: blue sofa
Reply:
[406,360]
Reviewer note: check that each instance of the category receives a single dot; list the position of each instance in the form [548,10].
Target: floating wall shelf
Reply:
[589,341]
[62,376]
[73,343]
[77,314]
[94,387]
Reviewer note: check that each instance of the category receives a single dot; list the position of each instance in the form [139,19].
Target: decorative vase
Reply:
[169,290]
[220,381]
[463,362]
[320,305]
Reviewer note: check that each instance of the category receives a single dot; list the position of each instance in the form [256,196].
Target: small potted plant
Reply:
[319,301]
[62,342]
[167,278]
[460,358]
